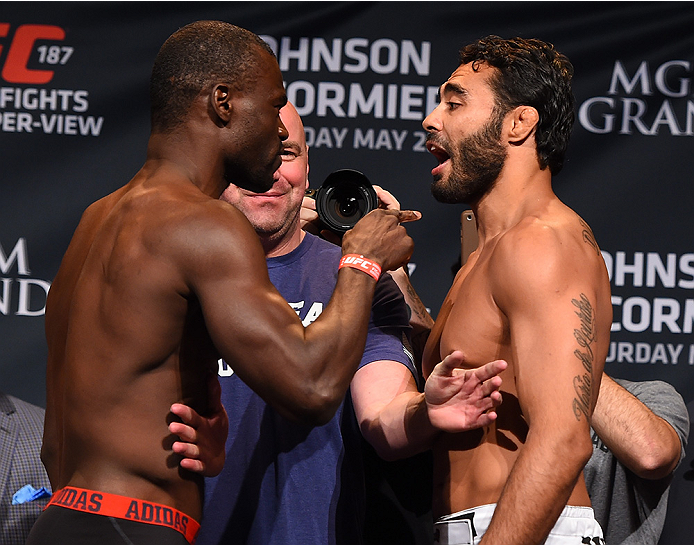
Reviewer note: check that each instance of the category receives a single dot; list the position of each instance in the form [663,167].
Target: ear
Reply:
[524,119]
[220,102]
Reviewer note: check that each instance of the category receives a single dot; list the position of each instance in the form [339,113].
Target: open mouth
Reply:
[440,153]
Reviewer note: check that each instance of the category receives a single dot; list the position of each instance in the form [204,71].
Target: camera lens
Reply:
[349,207]
[346,204]
[345,197]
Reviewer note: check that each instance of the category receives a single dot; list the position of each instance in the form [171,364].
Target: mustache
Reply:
[438,141]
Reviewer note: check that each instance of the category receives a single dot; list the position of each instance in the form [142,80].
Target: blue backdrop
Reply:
[74,124]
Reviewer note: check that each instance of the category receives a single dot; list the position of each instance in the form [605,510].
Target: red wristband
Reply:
[359,262]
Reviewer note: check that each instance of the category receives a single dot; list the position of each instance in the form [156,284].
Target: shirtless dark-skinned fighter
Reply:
[162,278]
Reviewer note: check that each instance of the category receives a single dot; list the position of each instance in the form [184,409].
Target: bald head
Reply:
[295,128]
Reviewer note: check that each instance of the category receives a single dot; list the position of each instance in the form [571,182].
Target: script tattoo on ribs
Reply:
[585,336]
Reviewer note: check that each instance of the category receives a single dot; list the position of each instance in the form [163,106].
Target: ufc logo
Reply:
[15,68]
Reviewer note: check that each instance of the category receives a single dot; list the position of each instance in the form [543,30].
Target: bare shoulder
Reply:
[168,227]
[204,236]
[553,252]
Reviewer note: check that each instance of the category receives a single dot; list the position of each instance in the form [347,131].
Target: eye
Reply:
[289,154]
[453,105]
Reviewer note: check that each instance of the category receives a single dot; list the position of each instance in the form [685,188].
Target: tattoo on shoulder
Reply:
[416,305]
[585,337]
[588,236]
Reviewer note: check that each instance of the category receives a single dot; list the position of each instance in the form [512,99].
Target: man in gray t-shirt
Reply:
[640,430]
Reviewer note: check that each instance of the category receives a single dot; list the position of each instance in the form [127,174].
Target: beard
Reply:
[475,165]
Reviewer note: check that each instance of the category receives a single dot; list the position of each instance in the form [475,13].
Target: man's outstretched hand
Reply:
[463,399]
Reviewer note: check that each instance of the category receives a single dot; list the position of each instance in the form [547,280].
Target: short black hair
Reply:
[531,72]
[193,59]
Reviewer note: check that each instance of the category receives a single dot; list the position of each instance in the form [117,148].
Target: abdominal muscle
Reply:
[471,469]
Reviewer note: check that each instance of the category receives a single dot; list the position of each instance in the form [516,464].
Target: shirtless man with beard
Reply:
[535,293]
[162,278]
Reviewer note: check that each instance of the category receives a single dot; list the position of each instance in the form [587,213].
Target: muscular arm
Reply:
[641,440]
[558,332]
[399,421]
[302,372]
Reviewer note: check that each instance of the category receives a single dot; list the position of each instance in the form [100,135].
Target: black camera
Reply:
[345,197]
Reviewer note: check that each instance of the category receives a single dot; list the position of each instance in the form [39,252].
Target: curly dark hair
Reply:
[194,58]
[531,72]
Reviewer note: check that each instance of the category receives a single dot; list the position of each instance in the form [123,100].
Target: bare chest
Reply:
[470,321]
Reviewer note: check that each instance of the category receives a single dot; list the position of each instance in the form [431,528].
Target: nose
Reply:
[432,122]
[282,130]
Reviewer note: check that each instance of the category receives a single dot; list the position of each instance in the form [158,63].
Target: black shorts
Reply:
[60,526]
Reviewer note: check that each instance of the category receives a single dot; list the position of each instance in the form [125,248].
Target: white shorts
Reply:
[575,526]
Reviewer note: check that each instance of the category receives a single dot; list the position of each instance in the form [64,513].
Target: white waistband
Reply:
[453,529]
